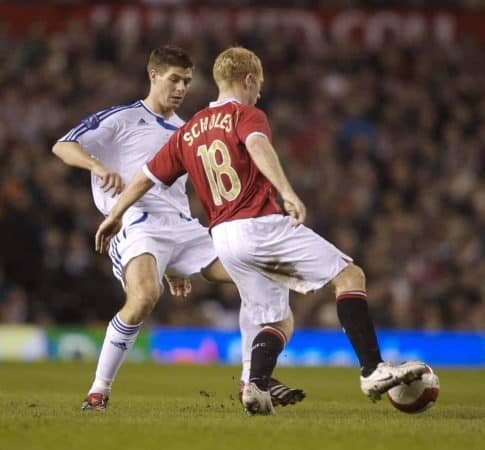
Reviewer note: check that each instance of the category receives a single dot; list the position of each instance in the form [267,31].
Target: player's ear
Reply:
[248,80]
[152,73]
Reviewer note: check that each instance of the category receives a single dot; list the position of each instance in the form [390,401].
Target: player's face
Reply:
[171,86]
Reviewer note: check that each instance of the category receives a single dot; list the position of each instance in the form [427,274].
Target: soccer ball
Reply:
[417,396]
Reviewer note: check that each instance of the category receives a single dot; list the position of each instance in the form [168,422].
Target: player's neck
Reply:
[158,108]
[230,94]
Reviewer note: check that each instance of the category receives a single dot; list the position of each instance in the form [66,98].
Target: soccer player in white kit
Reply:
[226,150]
[158,234]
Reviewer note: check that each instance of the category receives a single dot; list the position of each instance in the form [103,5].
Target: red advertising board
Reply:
[373,27]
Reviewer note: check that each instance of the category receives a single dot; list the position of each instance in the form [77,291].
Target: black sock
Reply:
[267,345]
[353,313]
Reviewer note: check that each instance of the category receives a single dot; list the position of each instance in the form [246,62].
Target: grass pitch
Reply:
[186,407]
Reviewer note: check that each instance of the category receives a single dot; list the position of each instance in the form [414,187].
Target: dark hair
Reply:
[168,55]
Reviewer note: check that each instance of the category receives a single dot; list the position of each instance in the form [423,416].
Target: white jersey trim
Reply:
[223,102]
[255,133]
[152,177]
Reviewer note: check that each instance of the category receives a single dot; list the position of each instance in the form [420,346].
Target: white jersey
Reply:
[124,138]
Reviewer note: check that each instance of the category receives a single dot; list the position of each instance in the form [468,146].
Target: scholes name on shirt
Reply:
[206,123]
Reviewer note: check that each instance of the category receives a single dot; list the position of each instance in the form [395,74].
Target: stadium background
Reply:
[377,115]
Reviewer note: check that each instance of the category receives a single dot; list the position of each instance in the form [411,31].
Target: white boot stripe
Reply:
[278,391]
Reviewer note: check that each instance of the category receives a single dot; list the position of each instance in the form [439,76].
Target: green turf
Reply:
[184,407]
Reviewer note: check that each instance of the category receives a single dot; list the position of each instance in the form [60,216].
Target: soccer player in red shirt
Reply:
[226,150]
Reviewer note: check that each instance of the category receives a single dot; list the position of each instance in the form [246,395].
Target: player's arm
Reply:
[135,189]
[73,154]
[264,156]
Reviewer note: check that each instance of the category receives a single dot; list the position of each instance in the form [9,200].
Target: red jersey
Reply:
[211,149]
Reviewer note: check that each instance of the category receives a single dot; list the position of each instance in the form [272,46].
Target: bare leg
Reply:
[142,293]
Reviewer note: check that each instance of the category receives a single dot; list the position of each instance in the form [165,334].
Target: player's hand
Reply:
[108,228]
[179,287]
[295,208]
[110,180]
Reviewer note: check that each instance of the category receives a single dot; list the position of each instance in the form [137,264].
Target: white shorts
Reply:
[180,245]
[267,256]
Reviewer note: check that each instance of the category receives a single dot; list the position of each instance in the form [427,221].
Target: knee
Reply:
[143,300]
[352,278]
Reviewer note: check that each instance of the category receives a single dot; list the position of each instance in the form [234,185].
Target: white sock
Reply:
[118,341]
[248,332]
[246,367]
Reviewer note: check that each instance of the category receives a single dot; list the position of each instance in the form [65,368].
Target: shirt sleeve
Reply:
[93,134]
[166,166]
[252,121]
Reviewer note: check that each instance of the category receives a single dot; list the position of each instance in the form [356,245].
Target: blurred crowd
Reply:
[386,146]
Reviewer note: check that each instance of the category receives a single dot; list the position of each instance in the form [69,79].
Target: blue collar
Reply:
[161,121]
